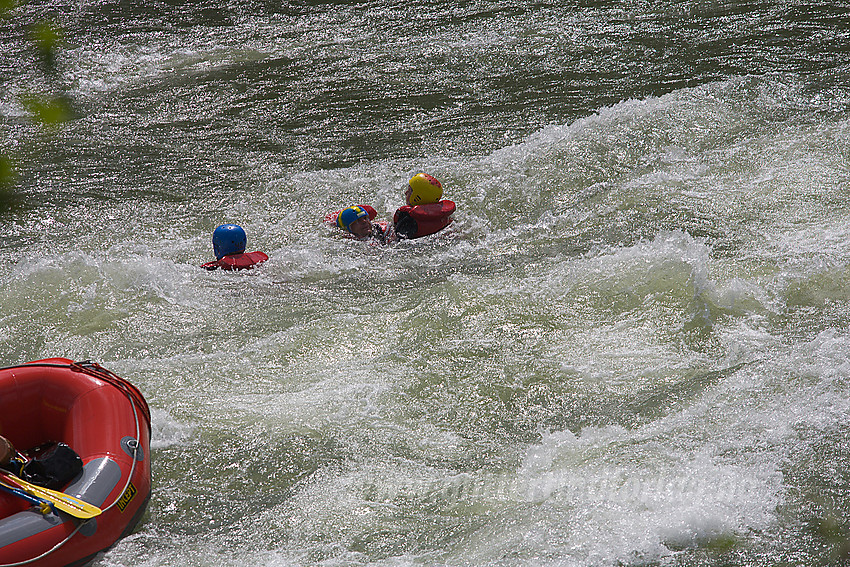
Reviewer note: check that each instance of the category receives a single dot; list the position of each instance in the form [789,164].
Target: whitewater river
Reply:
[629,349]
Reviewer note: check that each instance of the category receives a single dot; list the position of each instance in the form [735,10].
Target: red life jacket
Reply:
[237,261]
[427,219]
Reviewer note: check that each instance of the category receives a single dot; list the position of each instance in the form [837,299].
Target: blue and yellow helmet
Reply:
[349,215]
[228,239]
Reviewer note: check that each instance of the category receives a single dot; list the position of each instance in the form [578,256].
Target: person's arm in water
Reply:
[383,234]
[405,225]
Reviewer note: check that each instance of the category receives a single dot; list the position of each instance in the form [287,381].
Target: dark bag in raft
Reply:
[53,467]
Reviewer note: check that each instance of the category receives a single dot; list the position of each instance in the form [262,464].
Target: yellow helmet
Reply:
[424,189]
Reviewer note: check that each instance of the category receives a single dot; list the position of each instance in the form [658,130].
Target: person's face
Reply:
[407,193]
[362,227]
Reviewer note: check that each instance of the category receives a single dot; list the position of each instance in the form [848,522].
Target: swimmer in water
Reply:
[425,211]
[357,221]
[229,248]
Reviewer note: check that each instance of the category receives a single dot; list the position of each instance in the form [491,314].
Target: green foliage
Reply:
[46,38]
[7,182]
[47,110]
[50,108]
[6,7]
[836,535]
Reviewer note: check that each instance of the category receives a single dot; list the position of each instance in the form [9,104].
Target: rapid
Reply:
[630,347]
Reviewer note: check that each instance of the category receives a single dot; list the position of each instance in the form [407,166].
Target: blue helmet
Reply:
[349,215]
[228,239]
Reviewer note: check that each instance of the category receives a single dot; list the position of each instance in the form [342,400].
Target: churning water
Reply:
[630,348]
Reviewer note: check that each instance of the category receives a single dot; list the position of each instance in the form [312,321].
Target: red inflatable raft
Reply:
[106,421]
